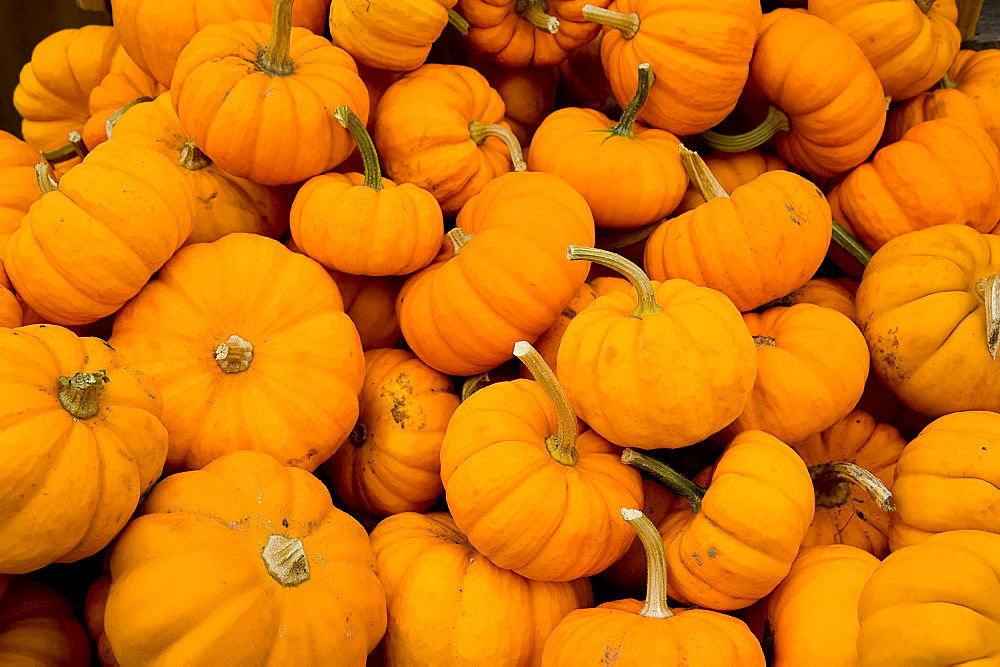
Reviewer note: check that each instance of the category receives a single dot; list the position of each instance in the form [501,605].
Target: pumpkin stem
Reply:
[775,121]
[925,5]
[853,246]
[109,124]
[369,157]
[275,59]
[359,434]
[536,13]
[831,482]
[286,560]
[947,83]
[458,237]
[628,238]
[626,123]
[626,24]
[989,289]
[44,179]
[764,341]
[667,475]
[459,22]
[562,443]
[701,176]
[656,564]
[78,395]
[480,132]
[645,296]
[74,149]
[192,158]
[234,355]
[474,384]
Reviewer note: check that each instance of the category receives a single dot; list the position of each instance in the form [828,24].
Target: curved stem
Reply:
[700,175]
[831,483]
[458,237]
[369,156]
[234,355]
[989,289]
[479,132]
[627,121]
[474,384]
[44,179]
[626,24]
[72,150]
[109,124]
[646,297]
[275,58]
[192,158]
[536,13]
[656,564]
[775,121]
[562,443]
[78,394]
[286,560]
[458,22]
[850,244]
[947,83]
[667,475]
[764,341]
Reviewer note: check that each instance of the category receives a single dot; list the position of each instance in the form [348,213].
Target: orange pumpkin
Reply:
[38,626]
[731,170]
[284,98]
[278,575]
[370,302]
[251,348]
[18,184]
[124,84]
[836,293]
[528,94]
[94,605]
[11,313]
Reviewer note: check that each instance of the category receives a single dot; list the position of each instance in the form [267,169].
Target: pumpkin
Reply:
[758,244]
[38,627]
[18,184]
[250,345]
[515,446]
[370,302]
[154,32]
[446,600]
[277,574]
[731,170]
[283,99]
[630,175]
[665,368]
[124,84]
[582,82]
[94,605]
[813,611]
[943,171]
[81,441]
[946,479]
[650,632]
[502,275]
[922,308]
[835,293]
[391,461]
[702,68]
[909,43]
[11,313]
[737,540]
[441,127]
[936,600]
[528,94]
[364,224]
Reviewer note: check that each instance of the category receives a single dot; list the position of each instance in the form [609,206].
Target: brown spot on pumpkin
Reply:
[697,558]
[712,553]
[284,522]
[397,393]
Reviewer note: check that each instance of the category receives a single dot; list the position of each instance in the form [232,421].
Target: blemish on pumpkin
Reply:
[569,313]
[697,558]
[610,354]
[284,522]
[712,553]
[860,514]
[610,656]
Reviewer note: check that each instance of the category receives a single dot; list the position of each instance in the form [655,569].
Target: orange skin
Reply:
[38,626]
[835,293]
[370,301]
[731,170]
[18,187]
[95,603]
[124,83]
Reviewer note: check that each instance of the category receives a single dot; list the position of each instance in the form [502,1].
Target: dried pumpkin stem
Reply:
[75,148]
[536,13]
[480,132]
[700,175]
[44,179]
[656,564]
[947,83]
[192,158]
[275,59]
[369,156]
[561,444]
[989,290]
[458,237]
[78,394]
[474,384]
[626,124]
[458,22]
[626,24]
[358,435]
[109,124]
[850,244]
[667,475]
[764,341]
[234,355]
[925,5]
[832,484]
[286,560]
[645,295]
[775,121]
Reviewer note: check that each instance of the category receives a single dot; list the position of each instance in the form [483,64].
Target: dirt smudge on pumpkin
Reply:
[697,558]
[398,392]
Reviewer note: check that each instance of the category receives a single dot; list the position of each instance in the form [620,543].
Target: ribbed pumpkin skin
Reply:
[822,81]
[18,187]
[189,584]
[924,322]
[11,313]
[910,49]
[154,32]
[937,600]
[370,301]
[702,69]
[297,399]
[394,35]
[39,627]
[462,314]
[943,171]
[835,293]
[68,485]
[446,600]
[731,170]
[82,252]
[123,84]
[768,238]
[94,605]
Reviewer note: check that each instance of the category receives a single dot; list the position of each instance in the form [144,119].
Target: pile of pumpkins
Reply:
[513,332]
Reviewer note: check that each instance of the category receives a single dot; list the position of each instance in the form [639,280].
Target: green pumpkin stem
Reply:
[275,59]
[947,83]
[480,132]
[369,157]
[645,295]
[44,179]
[850,244]
[109,124]
[78,394]
[458,22]
[700,175]
[626,24]
[626,124]
[656,564]
[832,481]
[775,121]
[286,560]
[192,158]
[458,237]
[667,475]
[234,355]
[989,290]
[561,444]
[474,384]
[536,13]
[75,148]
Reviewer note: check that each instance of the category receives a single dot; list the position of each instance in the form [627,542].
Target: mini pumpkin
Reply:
[731,170]
[18,183]
[38,626]
[123,85]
